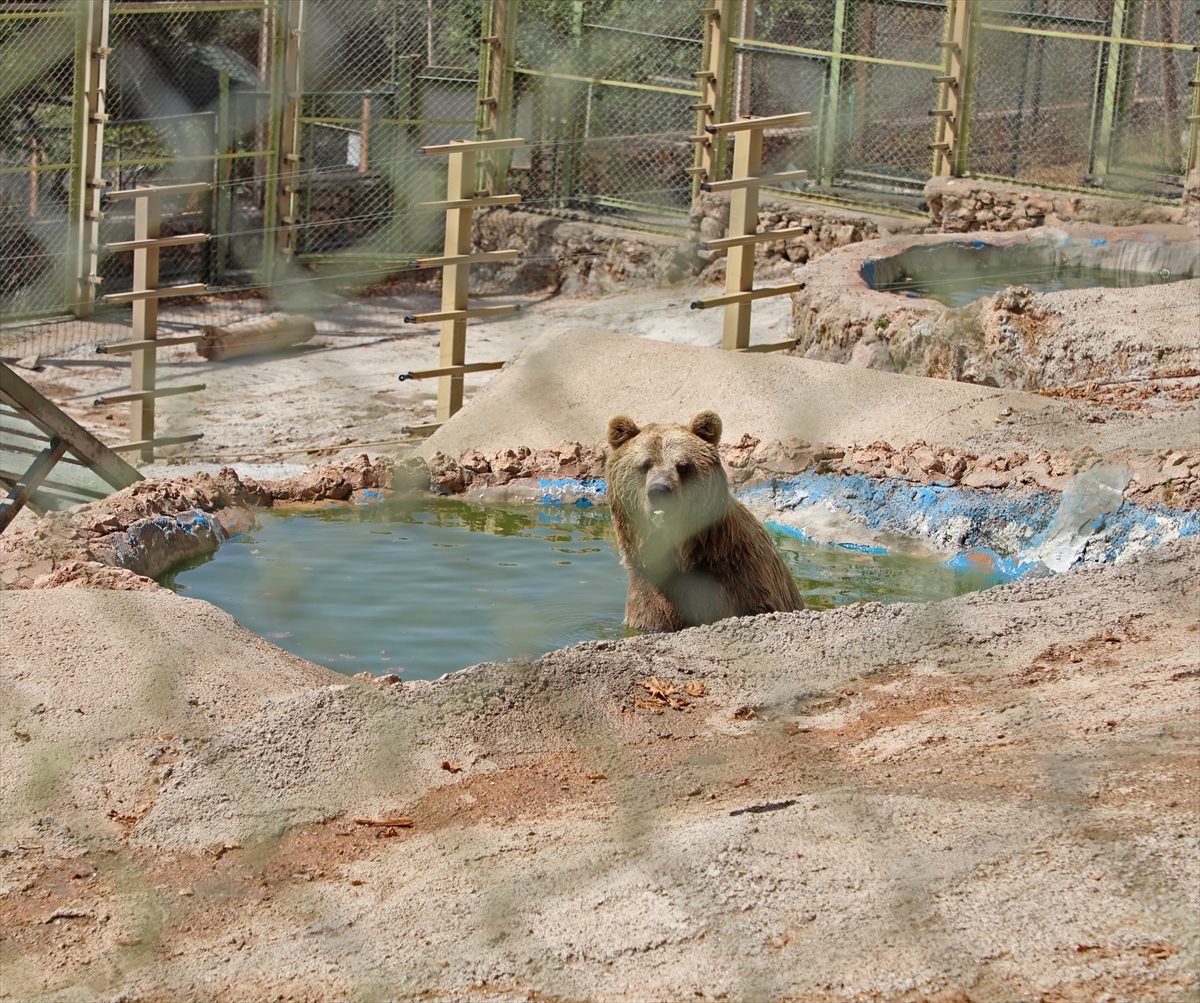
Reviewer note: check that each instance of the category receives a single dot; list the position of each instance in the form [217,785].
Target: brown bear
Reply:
[694,553]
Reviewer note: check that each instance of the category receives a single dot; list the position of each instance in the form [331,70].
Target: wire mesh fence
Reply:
[1091,94]
[381,81]
[864,71]
[604,97]
[37,46]
[1087,93]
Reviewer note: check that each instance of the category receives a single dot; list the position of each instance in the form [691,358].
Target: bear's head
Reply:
[666,481]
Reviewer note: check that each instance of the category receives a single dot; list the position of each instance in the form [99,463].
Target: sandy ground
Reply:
[990,798]
[341,393]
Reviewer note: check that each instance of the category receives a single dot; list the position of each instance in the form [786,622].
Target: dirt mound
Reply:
[898,801]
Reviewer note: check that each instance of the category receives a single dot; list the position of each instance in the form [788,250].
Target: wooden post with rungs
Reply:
[743,222]
[460,205]
[954,105]
[714,80]
[146,243]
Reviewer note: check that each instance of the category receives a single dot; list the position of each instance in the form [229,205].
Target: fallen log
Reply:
[255,336]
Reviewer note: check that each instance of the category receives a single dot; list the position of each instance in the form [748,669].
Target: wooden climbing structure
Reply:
[32,426]
[743,232]
[460,204]
[143,349]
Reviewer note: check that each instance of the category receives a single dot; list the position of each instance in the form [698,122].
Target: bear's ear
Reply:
[621,430]
[707,426]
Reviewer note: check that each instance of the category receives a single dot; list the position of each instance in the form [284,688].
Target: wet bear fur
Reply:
[694,553]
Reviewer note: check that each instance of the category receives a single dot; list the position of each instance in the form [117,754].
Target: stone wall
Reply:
[962,205]
[828,229]
[574,256]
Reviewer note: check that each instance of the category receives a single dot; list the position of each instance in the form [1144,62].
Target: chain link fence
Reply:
[37,47]
[864,71]
[381,80]
[604,95]
[1084,94]
[186,102]
[1077,93]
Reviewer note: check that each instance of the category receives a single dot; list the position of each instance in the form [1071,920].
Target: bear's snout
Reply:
[658,492]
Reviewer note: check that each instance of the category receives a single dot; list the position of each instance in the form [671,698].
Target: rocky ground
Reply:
[989,798]
[994,797]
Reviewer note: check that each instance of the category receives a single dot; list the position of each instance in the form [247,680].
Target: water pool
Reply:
[429,588]
[960,272]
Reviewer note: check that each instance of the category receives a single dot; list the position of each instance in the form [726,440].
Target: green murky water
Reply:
[960,273]
[424,591]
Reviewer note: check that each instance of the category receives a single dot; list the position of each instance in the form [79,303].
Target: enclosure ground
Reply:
[989,798]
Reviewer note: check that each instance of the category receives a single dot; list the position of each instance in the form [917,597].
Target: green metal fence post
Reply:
[223,175]
[270,205]
[833,91]
[1106,98]
[1191,176]
[568,128]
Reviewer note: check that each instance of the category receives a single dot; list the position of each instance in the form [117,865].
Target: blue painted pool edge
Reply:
[998,531]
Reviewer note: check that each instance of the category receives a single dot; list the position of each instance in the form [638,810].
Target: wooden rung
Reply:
[946,80]
[191,289]
[123,347]
[939,146]
[774,346]
[700,139]
[172,241]
[479,311]
[421,430]
[6,430]
[755,238]
[142,395]
[765,179]
[489,101]
[942,113]
[465,259]
[137,193]
[946,45]
[474,145]
[765,122]
[168,440]
[475,203]
[700,107]
[10,447]
[54,486]
[746,297]
[470,367]
[704,75]
[695,170]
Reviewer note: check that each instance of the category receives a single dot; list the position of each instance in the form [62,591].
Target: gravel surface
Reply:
[989,798]
[992,797]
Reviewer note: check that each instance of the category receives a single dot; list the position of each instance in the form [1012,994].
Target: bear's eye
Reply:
[683,469]
[645,466]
